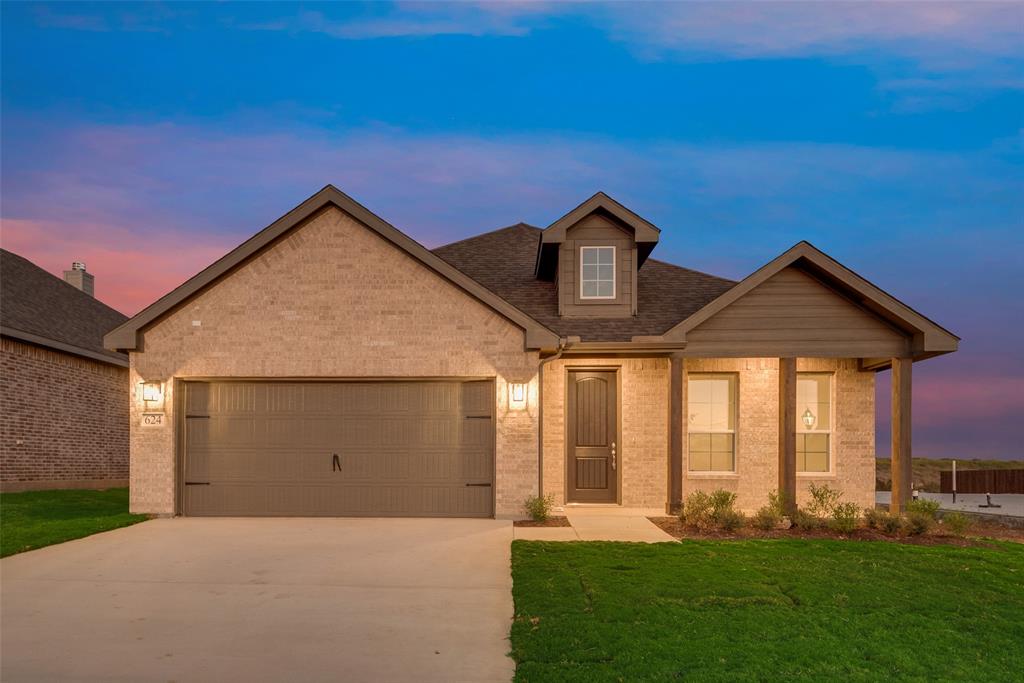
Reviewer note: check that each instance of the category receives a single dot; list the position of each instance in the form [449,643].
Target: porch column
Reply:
[676,435]
[902,472]
[787,432]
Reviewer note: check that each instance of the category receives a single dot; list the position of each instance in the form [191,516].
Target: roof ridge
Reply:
[520,224]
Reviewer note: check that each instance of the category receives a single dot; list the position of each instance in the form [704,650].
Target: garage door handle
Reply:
[335,463]
[197,483]
[478,484]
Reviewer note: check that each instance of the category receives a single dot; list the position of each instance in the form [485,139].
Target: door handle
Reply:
[613,455]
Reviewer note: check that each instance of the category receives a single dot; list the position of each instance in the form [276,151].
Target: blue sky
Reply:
[149,139]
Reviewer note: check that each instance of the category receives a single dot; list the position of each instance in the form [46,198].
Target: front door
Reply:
[592,435]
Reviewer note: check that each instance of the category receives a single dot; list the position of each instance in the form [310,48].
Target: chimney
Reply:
[77,277]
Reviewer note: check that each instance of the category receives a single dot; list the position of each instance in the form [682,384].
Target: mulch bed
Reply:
[550,521]
[975,536]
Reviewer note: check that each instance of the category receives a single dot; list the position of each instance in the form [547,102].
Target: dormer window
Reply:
[597,272]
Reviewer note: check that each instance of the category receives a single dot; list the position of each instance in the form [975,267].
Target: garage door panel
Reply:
[337,448]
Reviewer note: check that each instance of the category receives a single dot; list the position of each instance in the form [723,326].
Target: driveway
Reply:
[263,600]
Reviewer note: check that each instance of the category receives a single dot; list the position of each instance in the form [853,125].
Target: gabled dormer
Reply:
[593,253]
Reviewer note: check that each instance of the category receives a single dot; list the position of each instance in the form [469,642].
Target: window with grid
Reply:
[711,410]
[597,272]
[813,422]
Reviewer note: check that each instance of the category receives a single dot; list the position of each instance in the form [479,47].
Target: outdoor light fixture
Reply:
[808,418]
[517,395]
[152,392]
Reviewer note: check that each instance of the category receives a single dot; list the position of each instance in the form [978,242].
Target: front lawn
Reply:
[34,519]
[767,610]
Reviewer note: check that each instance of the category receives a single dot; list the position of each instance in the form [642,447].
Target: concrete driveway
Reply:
[263,600]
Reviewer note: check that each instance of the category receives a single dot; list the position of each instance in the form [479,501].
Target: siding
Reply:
[595,231]
[789,314]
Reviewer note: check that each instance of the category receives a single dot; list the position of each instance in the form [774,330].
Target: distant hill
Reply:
[926,470]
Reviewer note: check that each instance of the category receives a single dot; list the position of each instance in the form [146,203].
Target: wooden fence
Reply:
[983,481]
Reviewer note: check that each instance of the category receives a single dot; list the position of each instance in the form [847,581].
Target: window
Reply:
[597,272]
[813,422]
[712,423]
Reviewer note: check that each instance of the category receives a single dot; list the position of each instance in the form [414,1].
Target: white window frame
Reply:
[615,283]
[830,431]
[734,384]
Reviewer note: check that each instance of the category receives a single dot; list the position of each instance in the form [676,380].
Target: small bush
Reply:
[923,506]
[802,519]
[956,522]
[918,522]
[765,518]
[696,510]
[823,500]
[872,517]
[845,518]
[539,507]
[729,520]
[889,523]
[777,503]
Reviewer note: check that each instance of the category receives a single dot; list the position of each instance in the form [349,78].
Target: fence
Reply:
[983,481]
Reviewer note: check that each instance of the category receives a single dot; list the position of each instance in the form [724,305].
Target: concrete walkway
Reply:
[263,600]
[600,524]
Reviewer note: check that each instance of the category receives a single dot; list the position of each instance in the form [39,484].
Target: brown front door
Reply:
[592,436]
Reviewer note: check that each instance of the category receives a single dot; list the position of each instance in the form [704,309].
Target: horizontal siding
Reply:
[794,313]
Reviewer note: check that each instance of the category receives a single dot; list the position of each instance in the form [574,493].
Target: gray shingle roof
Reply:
[35,302]
[503,261]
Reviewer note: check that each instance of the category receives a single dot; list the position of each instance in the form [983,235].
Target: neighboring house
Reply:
[331,365]
[63,397]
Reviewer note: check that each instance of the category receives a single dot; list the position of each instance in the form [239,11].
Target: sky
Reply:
[147,140]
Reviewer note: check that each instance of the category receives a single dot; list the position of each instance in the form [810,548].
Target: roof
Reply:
[126,336]
[42,309]
[503,261]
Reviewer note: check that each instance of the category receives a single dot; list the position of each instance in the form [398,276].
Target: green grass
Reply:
[766,610]
[35,519]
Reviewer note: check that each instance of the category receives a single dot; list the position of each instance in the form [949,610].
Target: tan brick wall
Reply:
[333,299]
[643,383]
[63,419]
[757,441]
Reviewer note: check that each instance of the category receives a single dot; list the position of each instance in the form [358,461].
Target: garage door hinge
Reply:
[488,484]
[197,483]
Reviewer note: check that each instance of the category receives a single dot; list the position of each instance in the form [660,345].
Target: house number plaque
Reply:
[152,419]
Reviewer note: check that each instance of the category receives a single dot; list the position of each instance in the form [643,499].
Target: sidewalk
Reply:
[600,524]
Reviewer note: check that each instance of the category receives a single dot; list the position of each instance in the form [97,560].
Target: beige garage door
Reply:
[402,449]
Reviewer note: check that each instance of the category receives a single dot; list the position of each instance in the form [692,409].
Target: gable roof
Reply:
[645,234]
[503,260]
[929,338]
[42,309]
[126,336]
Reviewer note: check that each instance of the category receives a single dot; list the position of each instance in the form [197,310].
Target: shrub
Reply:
[729,520]
[696,510]
[872,517]
[539,507]
[823,500]
[918,522]
[845,518]
[929,508]
[777,503]
[889,523]
[765,518]
[802,519]
[957,522]
[711,511]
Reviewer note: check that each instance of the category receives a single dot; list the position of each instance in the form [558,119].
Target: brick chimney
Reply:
[79,278]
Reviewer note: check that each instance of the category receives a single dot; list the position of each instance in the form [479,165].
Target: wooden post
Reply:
[787,432]
[902,470]
[676,432]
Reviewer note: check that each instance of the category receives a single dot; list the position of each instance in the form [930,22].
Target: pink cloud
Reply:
[131,270]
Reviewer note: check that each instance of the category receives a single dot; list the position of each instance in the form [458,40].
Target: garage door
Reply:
[403,449]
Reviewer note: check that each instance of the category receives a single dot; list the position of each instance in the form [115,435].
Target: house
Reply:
[331,365]
[63,397]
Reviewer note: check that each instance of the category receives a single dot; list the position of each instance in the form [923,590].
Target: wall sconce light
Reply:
[517,395]
[808,418]
[152,392]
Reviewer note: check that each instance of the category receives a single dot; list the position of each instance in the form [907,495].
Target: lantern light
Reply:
[808,418]
[152,392]
[517,395]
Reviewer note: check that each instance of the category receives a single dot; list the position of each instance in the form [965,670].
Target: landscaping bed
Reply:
[34,519]
[550,521]
[767,609]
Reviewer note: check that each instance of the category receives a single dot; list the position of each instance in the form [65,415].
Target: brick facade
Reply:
[643,454]
[333,299]
[63,420]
